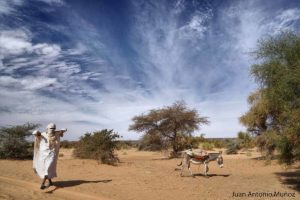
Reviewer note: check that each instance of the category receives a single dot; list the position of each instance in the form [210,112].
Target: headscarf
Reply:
[51,135]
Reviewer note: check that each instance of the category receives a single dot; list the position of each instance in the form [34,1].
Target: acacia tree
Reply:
[256,118]
[274,114]
[172,122]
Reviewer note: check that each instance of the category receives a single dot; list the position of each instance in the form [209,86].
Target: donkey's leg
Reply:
[183,165]
[189,167]
[206,168]
[191,172]
[182,168]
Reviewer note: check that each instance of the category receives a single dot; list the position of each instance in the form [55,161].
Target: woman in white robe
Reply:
[46,149]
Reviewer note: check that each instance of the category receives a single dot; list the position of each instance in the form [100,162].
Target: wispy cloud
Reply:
[287,20]
[9,6]
[53,1]
[96,70]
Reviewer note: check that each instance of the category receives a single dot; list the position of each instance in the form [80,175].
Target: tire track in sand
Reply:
[28,190]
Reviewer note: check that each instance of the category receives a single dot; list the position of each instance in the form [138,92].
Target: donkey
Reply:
[189,157]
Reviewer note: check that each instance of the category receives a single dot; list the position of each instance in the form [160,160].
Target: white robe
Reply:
[45,158]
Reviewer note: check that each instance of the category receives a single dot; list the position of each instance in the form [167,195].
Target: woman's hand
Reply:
[37,134]
[61,132]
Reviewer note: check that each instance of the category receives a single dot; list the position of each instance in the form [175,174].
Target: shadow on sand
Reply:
[211,175]
[207,176]
[71,183]
[165,158]
[264,158]
[291,179]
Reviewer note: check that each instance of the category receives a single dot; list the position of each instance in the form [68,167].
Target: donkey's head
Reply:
[220,160]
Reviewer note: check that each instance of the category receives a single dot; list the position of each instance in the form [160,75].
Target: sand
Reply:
[148,176]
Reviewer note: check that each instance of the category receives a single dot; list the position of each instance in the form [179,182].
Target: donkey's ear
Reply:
[220,152]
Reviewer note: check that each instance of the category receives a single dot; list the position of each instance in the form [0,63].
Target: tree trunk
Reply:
[175,146]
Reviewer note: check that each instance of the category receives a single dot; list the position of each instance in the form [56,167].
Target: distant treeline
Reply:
[220,139]
[126,144]
[122,144]
[101,145]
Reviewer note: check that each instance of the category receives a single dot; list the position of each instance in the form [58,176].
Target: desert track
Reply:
[147,176]
[11,188]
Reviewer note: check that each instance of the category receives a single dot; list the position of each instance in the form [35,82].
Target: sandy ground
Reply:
[149,176]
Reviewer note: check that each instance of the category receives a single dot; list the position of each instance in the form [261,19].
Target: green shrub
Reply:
[195,141]
[154,142]
[207,146]
[266,143]
[151,142]
[68,144]
[286,150]
[13,143]
[245,140]
[219,143]
[232,147]
[99,145]
[127,144]
[186,142]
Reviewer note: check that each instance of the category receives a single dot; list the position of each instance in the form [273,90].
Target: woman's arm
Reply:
[61,132]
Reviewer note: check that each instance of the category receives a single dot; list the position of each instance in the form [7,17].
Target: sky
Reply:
[95,64]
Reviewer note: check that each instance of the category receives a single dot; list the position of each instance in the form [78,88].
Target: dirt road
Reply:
[148,176]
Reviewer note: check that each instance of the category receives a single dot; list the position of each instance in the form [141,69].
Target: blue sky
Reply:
[89,65]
